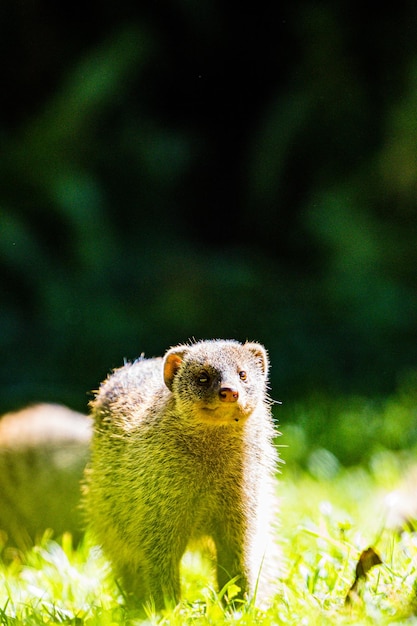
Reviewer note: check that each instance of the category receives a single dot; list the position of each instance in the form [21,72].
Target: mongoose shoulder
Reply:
[183,449]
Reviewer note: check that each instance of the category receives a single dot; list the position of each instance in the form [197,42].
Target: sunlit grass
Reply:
[325,524]
[329,524]
[329,515]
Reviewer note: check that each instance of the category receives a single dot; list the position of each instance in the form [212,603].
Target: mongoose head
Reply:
[217,382]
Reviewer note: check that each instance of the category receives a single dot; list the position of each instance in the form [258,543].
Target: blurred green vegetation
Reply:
[324,430]
[204,170]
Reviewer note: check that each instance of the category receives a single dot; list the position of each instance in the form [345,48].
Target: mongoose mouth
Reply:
[219,415]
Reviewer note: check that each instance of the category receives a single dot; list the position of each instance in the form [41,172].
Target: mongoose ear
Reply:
[260,354]
[172,362]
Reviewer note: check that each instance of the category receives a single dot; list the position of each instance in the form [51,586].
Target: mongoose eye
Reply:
[203,378]
[242,375]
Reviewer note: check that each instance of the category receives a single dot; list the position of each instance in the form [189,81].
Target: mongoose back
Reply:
[183,450]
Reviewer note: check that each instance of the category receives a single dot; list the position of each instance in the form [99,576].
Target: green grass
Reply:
[326,521]
[329,515]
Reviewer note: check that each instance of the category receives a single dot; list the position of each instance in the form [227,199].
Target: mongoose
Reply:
[43,453]
[183,450]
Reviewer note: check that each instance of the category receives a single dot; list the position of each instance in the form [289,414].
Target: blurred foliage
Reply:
[322,431]
[202,170]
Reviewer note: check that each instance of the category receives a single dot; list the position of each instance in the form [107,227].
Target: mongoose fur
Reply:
[183,450]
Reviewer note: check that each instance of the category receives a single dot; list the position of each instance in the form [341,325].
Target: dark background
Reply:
[206,169]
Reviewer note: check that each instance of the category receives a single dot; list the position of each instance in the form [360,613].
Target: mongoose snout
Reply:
[227,394]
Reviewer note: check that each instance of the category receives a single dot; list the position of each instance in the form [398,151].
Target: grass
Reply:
[329,515]
[325,525]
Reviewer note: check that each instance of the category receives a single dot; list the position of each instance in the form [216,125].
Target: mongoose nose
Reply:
[228,395]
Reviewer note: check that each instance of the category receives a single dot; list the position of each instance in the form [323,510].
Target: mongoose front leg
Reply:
[231,564]
[163,545]
[155,583]
[164,583]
